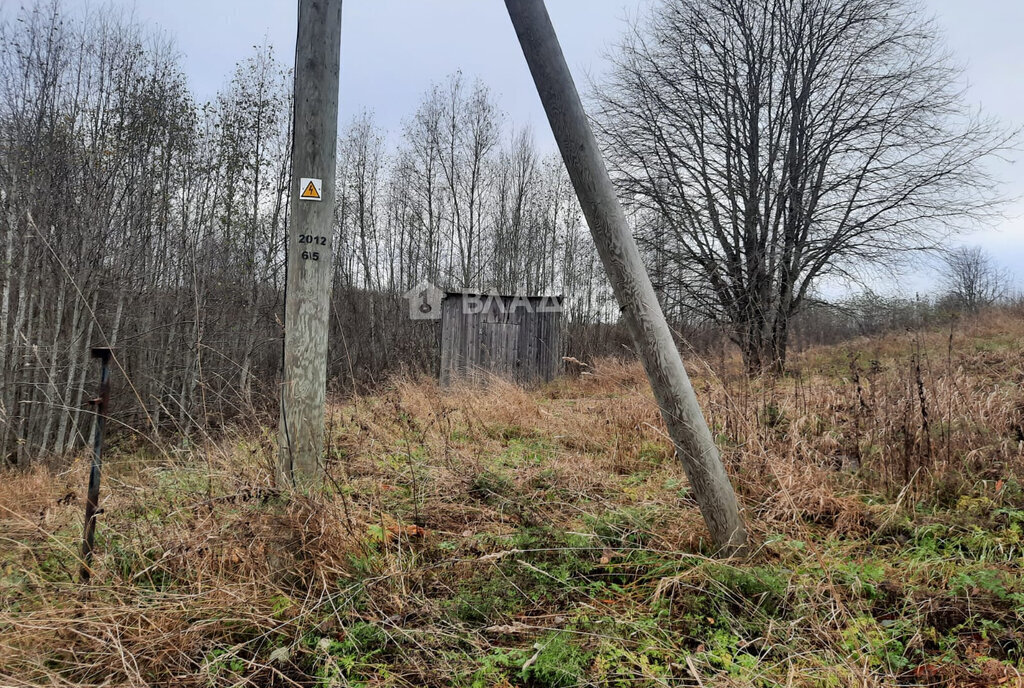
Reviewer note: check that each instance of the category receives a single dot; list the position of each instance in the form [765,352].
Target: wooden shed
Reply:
[518,338]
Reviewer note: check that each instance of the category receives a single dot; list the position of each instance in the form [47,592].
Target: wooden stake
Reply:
[640,309]
[309,261]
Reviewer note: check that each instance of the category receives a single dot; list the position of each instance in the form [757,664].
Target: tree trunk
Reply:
[75,433]
[780,345]
[163,388]
[5,296]
[30,385]
[18,342]
[6,381]
[67,410]
[54,403]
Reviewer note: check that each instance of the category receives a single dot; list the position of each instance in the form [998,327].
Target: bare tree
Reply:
[132,215]
[767,144]
[467,137]
[973,280]
[360,165]
[516,186]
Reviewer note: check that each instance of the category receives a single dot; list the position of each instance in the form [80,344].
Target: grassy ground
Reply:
[548,539]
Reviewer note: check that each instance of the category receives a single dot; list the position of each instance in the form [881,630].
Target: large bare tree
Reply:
[767,144]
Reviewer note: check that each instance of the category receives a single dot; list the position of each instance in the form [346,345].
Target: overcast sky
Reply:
[392,50]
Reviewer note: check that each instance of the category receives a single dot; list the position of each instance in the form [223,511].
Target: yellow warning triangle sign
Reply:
[310,192]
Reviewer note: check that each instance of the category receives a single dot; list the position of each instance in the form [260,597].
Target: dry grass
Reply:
[498,537]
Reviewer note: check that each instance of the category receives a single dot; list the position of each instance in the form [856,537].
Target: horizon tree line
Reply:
[135,216]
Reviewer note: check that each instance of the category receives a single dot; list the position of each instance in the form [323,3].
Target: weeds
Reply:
[498,537]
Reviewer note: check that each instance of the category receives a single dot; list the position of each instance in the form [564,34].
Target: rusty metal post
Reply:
[93,497]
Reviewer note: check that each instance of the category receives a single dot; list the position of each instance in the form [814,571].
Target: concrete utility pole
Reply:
[314,147]
[640,309]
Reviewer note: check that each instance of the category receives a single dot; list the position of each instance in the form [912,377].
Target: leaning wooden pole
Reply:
[309,260]
[640,309]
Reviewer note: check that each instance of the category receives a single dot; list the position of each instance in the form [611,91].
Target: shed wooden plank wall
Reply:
[514,337]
